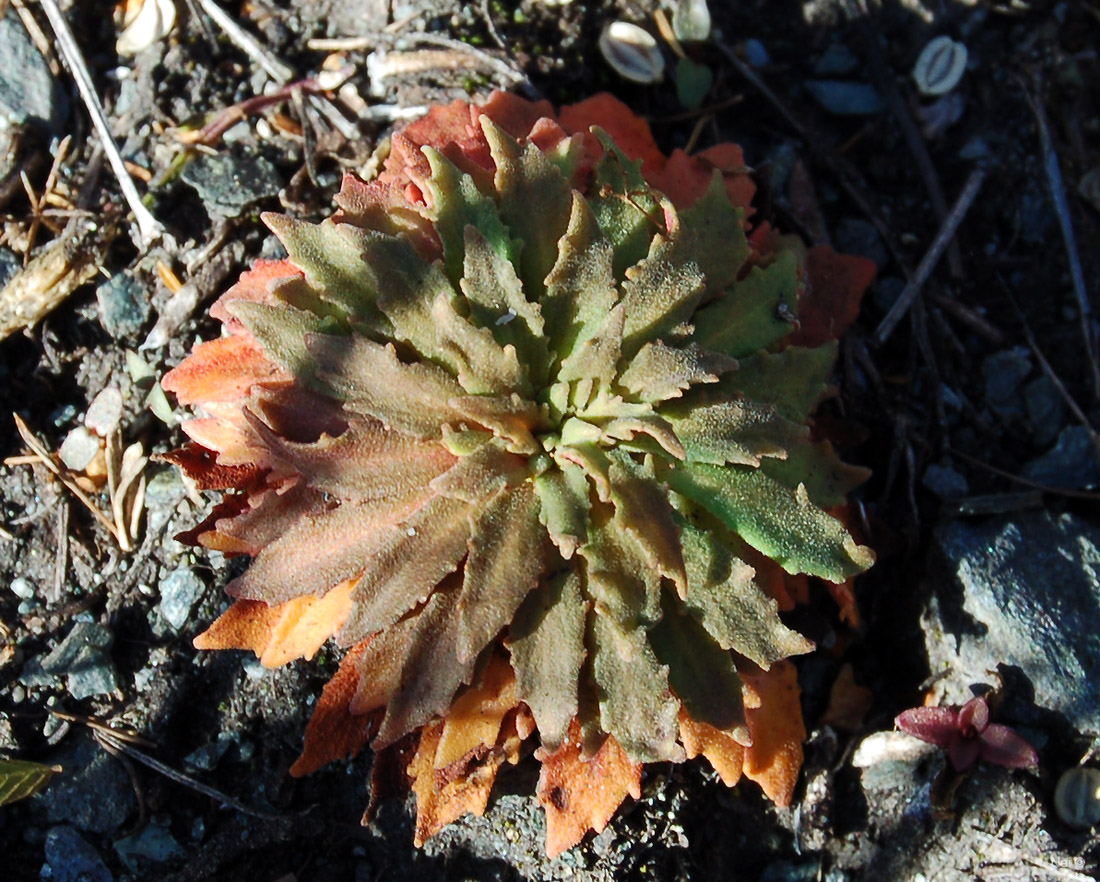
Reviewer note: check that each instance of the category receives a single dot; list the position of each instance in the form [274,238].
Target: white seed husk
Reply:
[940,66]
[632,52]
[1077,797]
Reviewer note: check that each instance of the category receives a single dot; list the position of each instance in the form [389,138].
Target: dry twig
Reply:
[149,229]
[1061,208]
[944,235]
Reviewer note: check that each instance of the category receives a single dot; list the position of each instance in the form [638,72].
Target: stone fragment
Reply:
[123,307]
[1021,592]
[229,185]
[94,793]
[178,594]
[69,858]
[28,90]
[84,658]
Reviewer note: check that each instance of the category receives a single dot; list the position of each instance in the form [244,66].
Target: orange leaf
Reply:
[774,717]
[685,178]
[279,634]
[223,370]
[581,795]
[474,720]
[334,732]
[255,285]
[830,301]
[458,757]
[725,754]
[629,131]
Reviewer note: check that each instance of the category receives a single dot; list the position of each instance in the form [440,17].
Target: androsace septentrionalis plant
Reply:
[526,426]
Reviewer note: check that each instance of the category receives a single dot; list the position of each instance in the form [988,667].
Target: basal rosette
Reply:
[526,427]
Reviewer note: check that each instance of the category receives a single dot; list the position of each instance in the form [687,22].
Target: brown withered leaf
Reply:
[581,795]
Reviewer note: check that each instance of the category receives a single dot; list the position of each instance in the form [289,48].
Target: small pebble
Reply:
[21,587]
[844,98]
[79,448]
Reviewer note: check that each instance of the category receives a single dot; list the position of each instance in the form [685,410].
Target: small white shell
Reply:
[940,66]
[691,21]
[143,23]
[1077,797]
[632,52]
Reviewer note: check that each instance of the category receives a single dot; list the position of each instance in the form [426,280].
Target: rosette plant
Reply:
[526,427]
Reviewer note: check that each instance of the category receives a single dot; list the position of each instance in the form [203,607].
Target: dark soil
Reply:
[919,400]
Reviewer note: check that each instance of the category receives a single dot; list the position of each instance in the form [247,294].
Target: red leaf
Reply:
[830,301]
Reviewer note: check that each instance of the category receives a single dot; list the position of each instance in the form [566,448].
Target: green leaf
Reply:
[563,495]
[636,705]
[495,295]
[507,555]
[624,205]
[597,357]
[371,379]
[536,201]
[794,379]
[457,203]
[642,508]
[331,256]
[661,291]
[693,81]
[732,430]
[659,372]
[21,778]
[622,580]
[546,640]
[828,481]
[418,300]
[727,602]
[775,520]
[282,332]
[714,237]
[755,313]
[581,287]
[701,673]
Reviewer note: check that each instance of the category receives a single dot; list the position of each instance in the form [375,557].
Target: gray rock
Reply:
[756,54]
[148,849]
[94,793]
[84,658]
[1024,592]
[229,185]
[846,98]
[836,61]
[28,91]
[123,306]
[858,236]
[945,482]
[207,757]
[178,594]
[1004,372]
[10,264]
[70,859]
[1070,464]
[1046,411]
